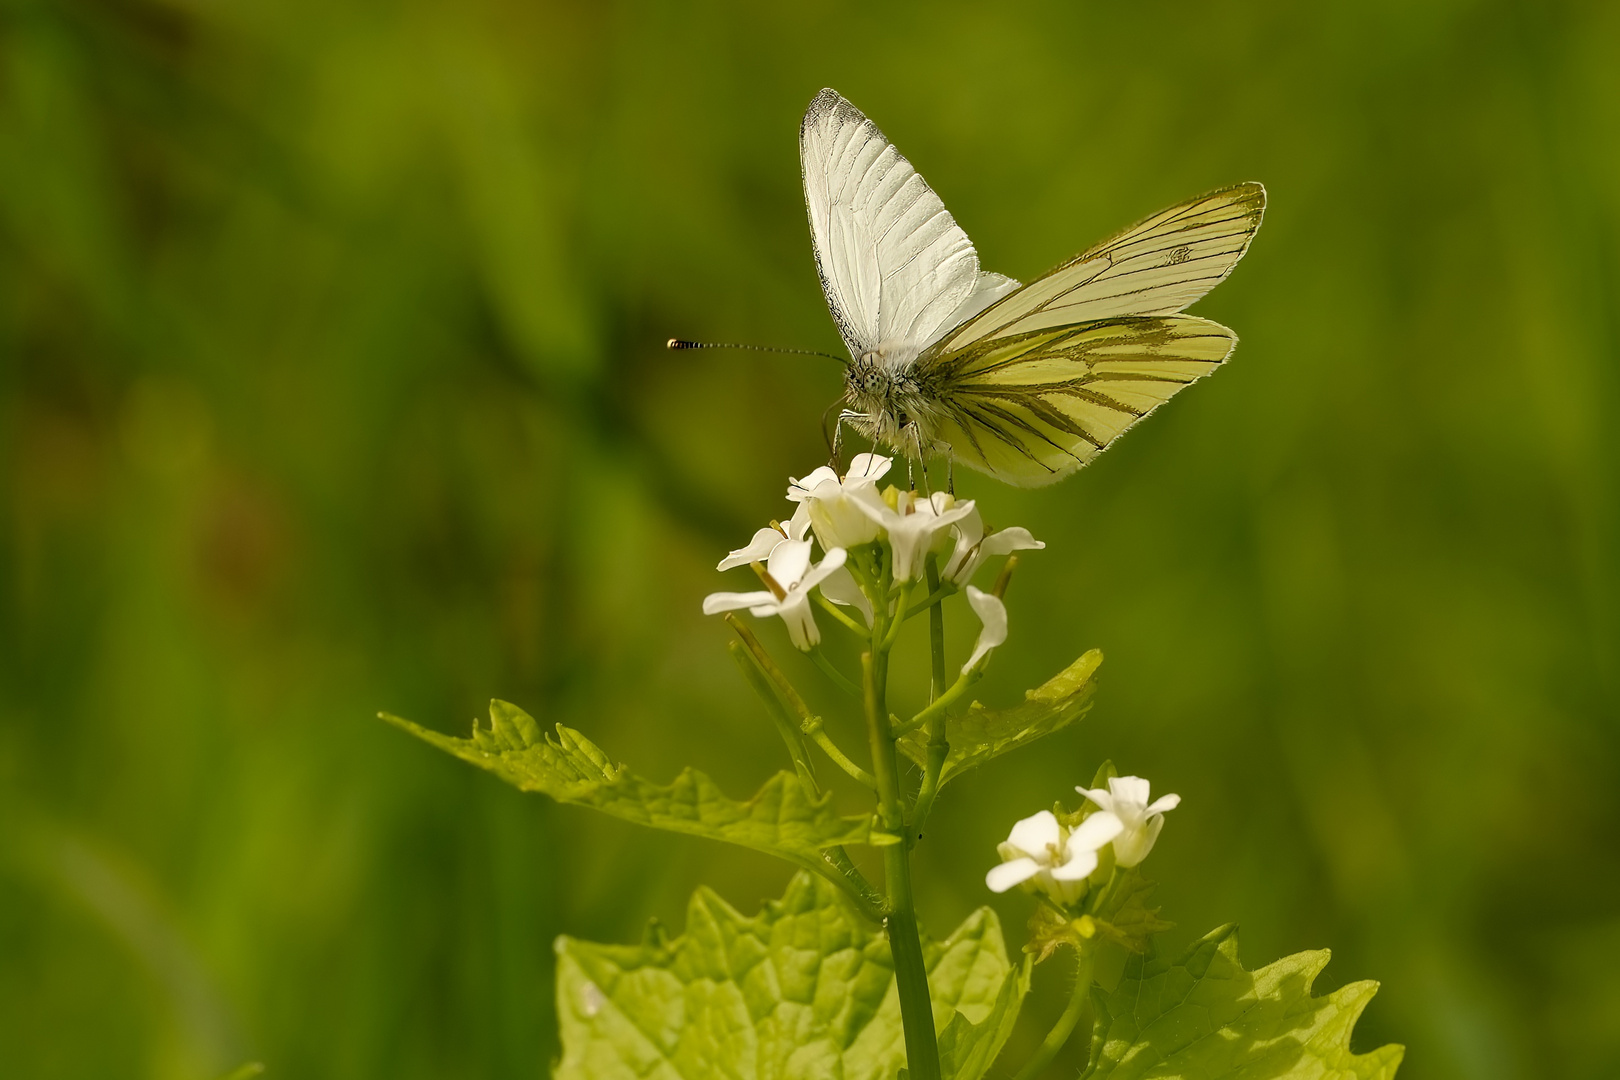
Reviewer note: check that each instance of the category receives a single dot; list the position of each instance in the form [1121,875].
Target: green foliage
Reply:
[781,819]
[981,734]
[1203,1016]
[805,989]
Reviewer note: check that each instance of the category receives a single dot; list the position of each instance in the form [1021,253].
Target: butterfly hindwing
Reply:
[1031,408]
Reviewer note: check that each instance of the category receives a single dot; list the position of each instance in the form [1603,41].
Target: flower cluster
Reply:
[864,528]
[1045,853]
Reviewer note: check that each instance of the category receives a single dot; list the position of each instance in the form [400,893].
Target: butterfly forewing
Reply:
[894,265]
[1157,267]
[1031,408]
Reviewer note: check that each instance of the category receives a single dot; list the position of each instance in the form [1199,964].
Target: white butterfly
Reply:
[1026,383]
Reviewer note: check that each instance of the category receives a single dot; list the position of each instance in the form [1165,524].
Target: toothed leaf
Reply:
[780,819]
[805,989]
[1202,1017]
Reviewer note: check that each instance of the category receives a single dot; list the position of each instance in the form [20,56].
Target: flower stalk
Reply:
[881,549]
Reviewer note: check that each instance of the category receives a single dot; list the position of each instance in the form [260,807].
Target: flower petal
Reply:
[788,562]
[801,622]
[1094,832]
[870,467]
[821,571]
[992,614]
[1034,834]
[1130,789]
[1006,541]
[1080,865]
[715,603]
[1098,796]
[1003,877]
[1163,803]
[800,490]
[798,526]
[758,550]
[840,587]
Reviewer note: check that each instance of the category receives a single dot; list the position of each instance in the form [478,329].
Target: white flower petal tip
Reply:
[992,615]
[1127,800]
[1003,877]
[973,547]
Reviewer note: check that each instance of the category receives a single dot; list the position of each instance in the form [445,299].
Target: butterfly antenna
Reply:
[678,344]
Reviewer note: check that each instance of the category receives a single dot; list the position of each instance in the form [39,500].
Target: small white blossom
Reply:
[1127,799]
[793,576]
[913,526]
[832,502]
[765,540]
[973,547]
[1058,860]
[992,614]
[841,588]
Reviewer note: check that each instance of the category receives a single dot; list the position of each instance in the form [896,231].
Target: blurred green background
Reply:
[333,381]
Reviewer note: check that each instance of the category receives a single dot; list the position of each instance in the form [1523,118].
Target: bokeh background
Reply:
[333,381]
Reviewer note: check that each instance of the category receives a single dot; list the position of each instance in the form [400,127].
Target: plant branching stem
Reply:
[936,593]
[813,728]
[832,609]
[1058,1037]
[950,697]
[900,922]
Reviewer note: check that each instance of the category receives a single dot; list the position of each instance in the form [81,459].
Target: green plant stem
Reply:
[936,593]
[938,748]
[813,728]
[839,679]
[950,697]
[900,922]
[894,628]
[868,899]
[832,609]
[1058,1037]
[791,735]
[795,703]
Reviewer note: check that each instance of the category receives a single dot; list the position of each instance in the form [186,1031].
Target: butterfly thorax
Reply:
[891,399]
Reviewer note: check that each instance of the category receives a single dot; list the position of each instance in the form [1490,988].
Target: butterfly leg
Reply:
[922,461]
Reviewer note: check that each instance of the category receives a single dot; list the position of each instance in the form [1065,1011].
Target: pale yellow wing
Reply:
[1156,267]
[1032,408]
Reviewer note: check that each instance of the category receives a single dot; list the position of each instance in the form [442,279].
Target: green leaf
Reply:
[803,990]
[781,819]
[1203,1017]
[981,734]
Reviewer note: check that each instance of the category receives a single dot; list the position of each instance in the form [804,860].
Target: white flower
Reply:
[913,525]
[992,614]
[832,502]
[1127,799]
[1058,859]
[973,547]
[841,588]
[792,577]
[765,540]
